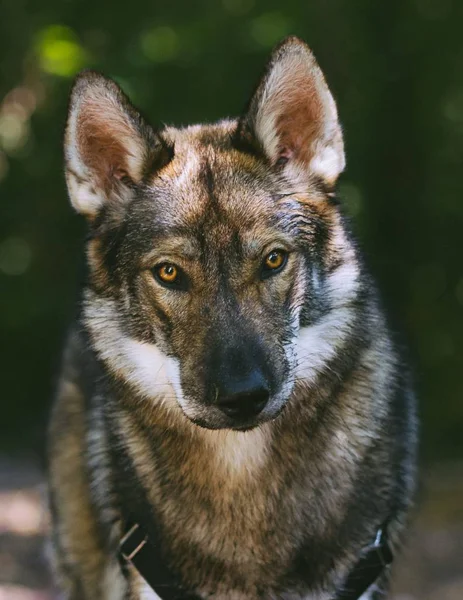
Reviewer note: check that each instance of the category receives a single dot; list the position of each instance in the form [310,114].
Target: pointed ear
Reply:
[293,118]
[108,147]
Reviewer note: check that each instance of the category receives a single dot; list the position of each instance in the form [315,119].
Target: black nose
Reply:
[244,398]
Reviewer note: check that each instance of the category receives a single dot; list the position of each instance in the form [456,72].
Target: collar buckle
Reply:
[132,542]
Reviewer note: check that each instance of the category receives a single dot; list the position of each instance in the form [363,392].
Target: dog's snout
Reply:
[243,399]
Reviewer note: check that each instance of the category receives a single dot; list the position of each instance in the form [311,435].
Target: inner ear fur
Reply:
[292,115]
[108,145]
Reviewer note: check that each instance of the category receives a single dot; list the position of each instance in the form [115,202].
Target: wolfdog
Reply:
[234,419]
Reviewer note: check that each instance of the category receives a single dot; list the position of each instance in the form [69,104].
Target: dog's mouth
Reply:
[210,417]
[214,425]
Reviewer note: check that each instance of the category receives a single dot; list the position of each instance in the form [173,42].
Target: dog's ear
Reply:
[293,118]
[108,146]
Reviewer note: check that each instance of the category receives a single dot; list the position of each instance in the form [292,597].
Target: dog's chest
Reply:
[224,517]
[247,512]
[229,539]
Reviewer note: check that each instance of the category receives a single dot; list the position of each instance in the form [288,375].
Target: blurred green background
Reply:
[396,70]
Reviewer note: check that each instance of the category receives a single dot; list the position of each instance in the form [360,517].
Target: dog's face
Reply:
[213,249]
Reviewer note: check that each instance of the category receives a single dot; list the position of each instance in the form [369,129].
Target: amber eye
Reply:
[168,273]
[274,262]
[170,276]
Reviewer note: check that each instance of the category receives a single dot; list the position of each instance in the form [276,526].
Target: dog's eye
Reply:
[274,262]
[170,276]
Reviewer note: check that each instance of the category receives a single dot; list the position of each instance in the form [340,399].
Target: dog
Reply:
[231,395]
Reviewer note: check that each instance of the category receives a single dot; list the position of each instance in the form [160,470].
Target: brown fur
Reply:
[80,548]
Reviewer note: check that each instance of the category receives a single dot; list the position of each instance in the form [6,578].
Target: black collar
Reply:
[137,549]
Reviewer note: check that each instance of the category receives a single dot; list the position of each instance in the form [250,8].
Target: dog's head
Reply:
[218,265]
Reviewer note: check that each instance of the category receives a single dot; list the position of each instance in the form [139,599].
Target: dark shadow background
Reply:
[396,70]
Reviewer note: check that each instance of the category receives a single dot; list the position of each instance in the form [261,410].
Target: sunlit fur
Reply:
[278,507]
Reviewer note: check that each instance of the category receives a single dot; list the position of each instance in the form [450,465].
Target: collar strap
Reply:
[136,549]
[373,561]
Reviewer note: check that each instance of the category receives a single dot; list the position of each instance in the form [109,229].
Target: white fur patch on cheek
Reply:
[151,372]
[154,374]
[317,344]
[147,367]
[173,375]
